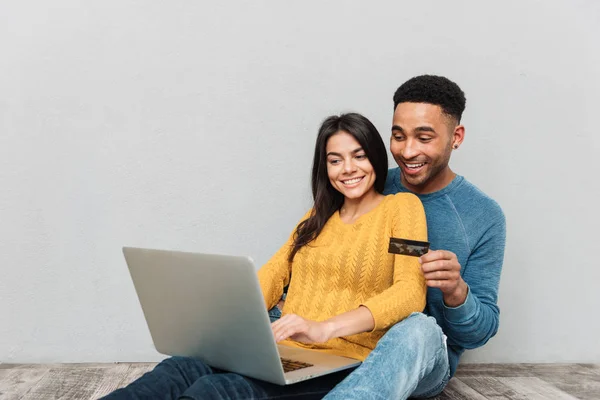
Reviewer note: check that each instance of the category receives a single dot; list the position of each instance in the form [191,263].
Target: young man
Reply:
[467,232]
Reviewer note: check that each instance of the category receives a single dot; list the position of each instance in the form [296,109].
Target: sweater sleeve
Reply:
[275,275]
[408,292]
[474,322]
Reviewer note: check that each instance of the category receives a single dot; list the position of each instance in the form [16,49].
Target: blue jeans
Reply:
[410,360]
[274,314]
[186,378]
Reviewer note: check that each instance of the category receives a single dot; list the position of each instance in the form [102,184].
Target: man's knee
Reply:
[416,328]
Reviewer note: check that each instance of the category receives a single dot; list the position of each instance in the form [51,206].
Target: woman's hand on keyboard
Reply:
[295,327]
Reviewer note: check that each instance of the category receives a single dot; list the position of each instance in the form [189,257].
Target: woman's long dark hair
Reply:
[326,198]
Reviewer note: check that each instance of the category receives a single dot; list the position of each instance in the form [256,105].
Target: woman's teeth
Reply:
[351,181]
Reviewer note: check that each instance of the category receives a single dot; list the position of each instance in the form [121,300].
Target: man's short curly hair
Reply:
[432,89]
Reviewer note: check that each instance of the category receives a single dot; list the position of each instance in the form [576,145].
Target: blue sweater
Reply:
[463,220]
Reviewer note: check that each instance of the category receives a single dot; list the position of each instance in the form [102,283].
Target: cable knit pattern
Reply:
[348,265]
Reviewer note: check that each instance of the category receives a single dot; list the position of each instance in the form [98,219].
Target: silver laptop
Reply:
[210,307]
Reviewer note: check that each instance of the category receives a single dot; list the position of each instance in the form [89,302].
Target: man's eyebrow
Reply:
[333,153]
[424,129]
[418,129]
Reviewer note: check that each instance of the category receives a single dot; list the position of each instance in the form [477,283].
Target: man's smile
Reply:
[413,168]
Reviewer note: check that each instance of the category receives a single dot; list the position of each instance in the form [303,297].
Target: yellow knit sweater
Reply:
[347,266]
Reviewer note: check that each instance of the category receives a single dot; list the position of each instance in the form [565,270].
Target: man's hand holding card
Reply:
[441,268]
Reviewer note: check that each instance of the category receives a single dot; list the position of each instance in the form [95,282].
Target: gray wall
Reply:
[190,125]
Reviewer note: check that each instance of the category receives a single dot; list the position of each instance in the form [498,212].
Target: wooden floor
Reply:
[472,381]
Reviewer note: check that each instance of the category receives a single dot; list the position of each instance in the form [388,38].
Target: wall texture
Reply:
[190,125]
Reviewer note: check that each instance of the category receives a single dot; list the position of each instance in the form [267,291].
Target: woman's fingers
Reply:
[287,326]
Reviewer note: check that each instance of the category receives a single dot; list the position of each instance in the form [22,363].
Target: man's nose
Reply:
[410,150]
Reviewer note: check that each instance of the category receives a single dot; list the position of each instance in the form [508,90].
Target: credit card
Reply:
[408,247]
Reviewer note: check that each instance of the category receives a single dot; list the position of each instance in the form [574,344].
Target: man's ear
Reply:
[458,136]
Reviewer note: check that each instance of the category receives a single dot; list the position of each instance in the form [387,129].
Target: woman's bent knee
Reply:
[176,361]
[184,366]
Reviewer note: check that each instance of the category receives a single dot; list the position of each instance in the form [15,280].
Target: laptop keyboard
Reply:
[291,365]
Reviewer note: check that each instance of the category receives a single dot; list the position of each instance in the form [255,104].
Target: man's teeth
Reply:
[415,165]
[351,181]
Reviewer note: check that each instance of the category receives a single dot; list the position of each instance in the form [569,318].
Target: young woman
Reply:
[344,288]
